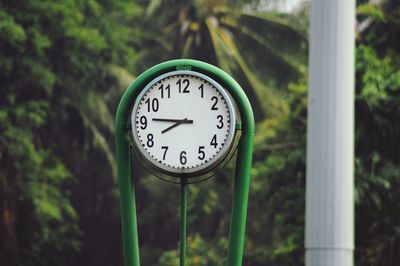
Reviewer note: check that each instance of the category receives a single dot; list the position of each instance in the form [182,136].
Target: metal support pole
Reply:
[330,141]
[183,221]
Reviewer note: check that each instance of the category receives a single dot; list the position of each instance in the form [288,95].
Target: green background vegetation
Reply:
[65,64]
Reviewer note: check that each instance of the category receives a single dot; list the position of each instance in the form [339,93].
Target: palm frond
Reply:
[270,101]
[274,30]
[124,79]
[187,46]
[218,49]
[153,6]
[96,109]
[149,39]
[266,60]
[98,141]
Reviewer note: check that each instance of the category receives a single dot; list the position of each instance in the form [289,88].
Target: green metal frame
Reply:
[124,158]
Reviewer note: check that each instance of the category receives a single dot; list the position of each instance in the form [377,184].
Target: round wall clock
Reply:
[183,123]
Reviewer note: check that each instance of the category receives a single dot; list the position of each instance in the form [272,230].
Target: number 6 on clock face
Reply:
[183,123]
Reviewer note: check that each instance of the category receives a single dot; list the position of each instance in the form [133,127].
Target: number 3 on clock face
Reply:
[183,123]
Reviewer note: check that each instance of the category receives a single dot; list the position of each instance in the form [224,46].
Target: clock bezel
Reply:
[152,164]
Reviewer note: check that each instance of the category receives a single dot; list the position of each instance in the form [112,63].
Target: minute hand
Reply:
[168,120]
[182,121]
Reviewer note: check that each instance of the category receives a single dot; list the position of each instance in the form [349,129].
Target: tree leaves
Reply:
[56,113]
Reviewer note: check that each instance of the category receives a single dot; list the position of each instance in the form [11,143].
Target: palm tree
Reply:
[262,51]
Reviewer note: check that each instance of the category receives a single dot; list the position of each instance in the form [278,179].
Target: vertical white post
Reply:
[330,141]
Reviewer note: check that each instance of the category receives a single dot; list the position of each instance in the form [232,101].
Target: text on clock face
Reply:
[182,122]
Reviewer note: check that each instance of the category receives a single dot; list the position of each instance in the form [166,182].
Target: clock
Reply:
[183,124]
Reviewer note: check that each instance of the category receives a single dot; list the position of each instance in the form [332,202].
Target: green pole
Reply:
[127,202]
[243,166]
[240,200]
[183,221]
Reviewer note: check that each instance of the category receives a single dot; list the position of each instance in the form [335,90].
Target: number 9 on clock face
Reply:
[183,123]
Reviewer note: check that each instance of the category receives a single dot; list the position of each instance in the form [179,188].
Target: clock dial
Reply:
[183,122]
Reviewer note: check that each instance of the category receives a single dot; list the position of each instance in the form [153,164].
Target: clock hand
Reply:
[167,120]
[181,121]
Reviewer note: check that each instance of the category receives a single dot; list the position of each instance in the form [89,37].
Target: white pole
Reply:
[330,141]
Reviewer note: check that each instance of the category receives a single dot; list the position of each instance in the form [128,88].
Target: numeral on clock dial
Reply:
[143,122]
[201,88]
[185,83]
[214,141]
[201,153]
[183,158]
[165,148]
[150,141]
[220,120]
[167,89]
[214,99]
[152,105]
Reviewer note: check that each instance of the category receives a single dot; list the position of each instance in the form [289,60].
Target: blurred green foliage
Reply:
[64,66]
[377,133]
[56,110]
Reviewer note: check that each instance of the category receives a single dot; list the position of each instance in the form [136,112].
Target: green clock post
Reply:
[183,119]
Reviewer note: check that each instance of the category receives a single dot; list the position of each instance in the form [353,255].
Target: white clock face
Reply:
[183,123]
